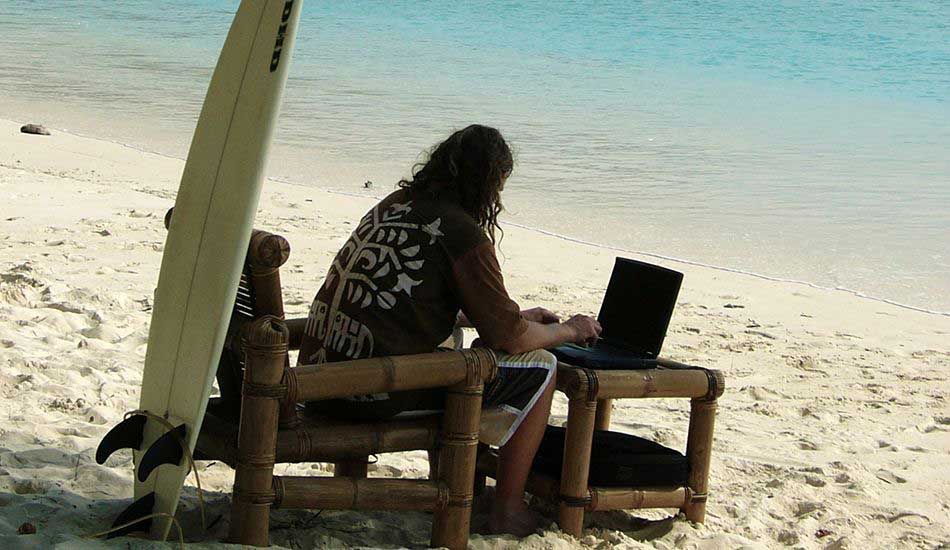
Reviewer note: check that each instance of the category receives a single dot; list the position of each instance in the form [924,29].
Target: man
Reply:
[421,264]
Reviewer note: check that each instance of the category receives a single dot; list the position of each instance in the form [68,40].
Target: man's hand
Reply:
[540,315]
[585,329]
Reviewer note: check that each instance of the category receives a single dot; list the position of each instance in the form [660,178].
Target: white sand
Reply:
[836,414]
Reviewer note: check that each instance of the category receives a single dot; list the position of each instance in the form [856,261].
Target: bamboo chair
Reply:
[255,423]
[590,395]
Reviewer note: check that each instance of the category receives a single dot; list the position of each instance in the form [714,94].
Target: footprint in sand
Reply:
[38,458]
[888,476]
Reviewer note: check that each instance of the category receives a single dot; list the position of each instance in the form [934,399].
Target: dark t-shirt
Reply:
[399,281]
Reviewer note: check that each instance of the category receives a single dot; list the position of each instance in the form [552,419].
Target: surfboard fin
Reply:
[138,509]
[165,450]
[125,435]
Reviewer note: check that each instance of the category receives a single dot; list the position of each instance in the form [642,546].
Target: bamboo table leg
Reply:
[577,445]
[702,419]
[602,419]
[358,467]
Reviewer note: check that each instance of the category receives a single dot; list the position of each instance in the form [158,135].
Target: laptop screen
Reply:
[638,305]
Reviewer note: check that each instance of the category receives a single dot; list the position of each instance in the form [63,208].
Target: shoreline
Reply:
[563,236]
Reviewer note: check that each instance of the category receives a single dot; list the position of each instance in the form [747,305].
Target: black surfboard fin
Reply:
[165,450]
[125,435]
[138,509]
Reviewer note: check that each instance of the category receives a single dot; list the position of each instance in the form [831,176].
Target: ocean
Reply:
[801,141]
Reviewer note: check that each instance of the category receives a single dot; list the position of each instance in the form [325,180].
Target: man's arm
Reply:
[579,329]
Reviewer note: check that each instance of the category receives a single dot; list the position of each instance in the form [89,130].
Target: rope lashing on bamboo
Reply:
[187,452]
[270,391]
[256,497]
[593,384]
[716,385]
[574,502]
[181,534]
[249,460]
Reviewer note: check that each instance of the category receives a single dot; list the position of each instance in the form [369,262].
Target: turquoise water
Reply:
[798,140]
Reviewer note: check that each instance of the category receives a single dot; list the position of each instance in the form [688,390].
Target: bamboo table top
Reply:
[669,379]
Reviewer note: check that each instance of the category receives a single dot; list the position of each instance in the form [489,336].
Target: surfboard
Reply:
[208,239]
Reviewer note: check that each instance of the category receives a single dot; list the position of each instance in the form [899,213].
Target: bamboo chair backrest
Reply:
[258,294]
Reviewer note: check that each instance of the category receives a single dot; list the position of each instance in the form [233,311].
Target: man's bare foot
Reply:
[513,519]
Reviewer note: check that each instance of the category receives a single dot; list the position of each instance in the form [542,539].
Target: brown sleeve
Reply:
[485,302]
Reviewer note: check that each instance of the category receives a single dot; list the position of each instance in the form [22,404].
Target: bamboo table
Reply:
[590,393]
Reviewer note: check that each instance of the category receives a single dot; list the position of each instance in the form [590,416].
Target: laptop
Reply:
[634,316]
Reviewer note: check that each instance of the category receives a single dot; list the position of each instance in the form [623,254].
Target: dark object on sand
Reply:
[617,460]
[36,129]
[26,529]
[368,184]
[126,435]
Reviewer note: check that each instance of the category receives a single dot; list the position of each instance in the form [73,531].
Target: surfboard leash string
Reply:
[187,452]
[181,533]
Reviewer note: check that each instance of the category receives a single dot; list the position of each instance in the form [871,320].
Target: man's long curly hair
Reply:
[470,167]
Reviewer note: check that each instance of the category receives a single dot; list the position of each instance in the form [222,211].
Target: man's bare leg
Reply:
[509,513]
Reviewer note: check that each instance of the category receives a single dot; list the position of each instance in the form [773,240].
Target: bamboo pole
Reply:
[457,454]
[296,328]
[653,383]
[433,463]
[576,467]
[346,493]
[481,477]
[319,440]
[576,383]
[217,440]
[267,251]
[289,415]
[603,498]
[387,374]
[356,467]
[602,417]
[702,421]
[266,353]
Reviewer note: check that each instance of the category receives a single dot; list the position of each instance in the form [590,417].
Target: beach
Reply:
[658,120]
[833,432]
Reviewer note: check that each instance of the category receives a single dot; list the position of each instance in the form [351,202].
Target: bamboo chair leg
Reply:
[456,467]
[702,419]
[433,464]
[266,352]
[358,467]
[481,480]
[575,495]
[602,418]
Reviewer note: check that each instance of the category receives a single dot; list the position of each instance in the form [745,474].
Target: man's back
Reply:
[398,282]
